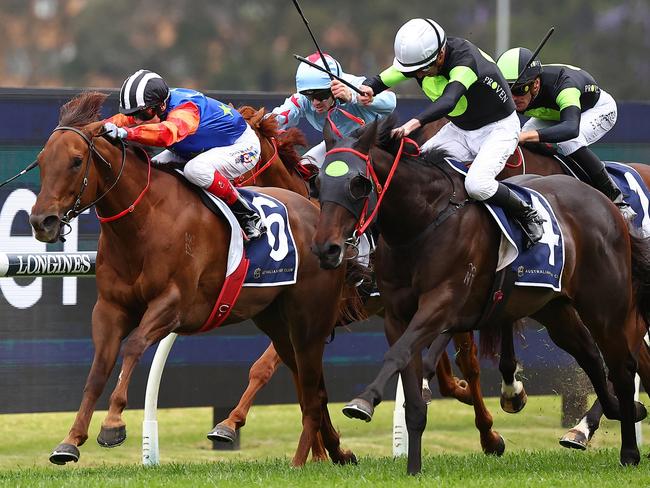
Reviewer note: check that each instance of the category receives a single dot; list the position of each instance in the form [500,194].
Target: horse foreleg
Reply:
[415,411]
[259,375]
[109,326]
[416,336]
[467,359]
[159,320]
[513,394]
[328,436]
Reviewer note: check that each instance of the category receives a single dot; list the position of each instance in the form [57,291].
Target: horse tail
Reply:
[490,338]
[641,275]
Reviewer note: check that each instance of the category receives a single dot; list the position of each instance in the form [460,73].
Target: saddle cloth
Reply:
[542,264]
[273,257]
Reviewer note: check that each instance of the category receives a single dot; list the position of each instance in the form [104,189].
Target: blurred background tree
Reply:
[248,44]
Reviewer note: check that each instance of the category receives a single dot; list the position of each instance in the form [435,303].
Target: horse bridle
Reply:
[75,211]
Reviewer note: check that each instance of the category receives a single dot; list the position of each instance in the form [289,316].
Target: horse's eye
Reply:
[360,187]
[77,162]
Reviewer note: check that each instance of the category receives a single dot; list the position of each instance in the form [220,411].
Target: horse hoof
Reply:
[222,433]
[640,412]
[574,439]
[514,404]
[348,457]
[630,457]
[497,450]
[112,436]
[64,453]
[359,409]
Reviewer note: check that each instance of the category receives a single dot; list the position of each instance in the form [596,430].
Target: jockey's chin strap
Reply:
[77,209]
[365,220]
[243,180]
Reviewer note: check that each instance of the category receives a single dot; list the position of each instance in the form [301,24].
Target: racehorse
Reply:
[541,159]
[161,264]
[269,172]
[436,263]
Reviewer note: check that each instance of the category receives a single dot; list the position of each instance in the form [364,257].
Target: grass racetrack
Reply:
[452,454]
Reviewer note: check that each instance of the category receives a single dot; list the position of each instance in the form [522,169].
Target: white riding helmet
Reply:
[308,78]
[417,44]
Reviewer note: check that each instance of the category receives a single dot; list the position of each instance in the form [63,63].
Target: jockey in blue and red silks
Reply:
[317,97]
[211,138]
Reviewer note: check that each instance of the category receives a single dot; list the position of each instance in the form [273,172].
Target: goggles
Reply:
[320,95]
[521,90]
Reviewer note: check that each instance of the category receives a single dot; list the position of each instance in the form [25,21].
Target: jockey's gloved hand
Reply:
[113,131]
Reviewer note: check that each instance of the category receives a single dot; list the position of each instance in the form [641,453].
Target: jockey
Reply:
[211,138]
[565,106]
[317,96]
[465,86]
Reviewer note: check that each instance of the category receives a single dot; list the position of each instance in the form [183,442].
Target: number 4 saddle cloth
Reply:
[543,263]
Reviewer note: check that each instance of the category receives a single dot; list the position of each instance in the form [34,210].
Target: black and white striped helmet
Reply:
[142,89]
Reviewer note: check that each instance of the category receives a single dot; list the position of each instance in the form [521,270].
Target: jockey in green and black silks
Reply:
[465,85]
[567,107]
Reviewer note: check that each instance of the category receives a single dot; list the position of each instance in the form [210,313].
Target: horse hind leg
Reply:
[448,384]
[259,375]
[491,441]
[107,347]
[513,395]
[578,437]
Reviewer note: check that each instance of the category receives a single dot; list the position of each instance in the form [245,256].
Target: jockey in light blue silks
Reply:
[317,96]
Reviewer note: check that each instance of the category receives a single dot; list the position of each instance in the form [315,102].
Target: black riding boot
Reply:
[248,219]
[523,213]
[601,180]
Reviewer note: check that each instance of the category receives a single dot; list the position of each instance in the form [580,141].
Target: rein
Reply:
[365,221]
[75,211]
[243,180]
[353,118]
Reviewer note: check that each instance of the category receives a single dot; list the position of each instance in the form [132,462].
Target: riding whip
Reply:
[28,168]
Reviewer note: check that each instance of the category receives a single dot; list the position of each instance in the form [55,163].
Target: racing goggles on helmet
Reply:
[320,95]
[521,89]
[145,114]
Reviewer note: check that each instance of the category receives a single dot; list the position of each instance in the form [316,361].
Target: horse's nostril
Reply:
[333,250]
[50,222]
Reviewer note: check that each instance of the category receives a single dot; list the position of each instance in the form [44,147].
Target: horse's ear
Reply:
[367,137]
[330,137]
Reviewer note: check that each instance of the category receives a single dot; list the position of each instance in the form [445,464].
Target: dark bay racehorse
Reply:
[541,159]
[436,264]
[279,166]
[161,266]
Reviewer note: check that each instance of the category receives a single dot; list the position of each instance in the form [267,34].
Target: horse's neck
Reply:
[415,196]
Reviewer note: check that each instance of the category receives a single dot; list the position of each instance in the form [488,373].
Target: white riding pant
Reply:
[488,148]
[594,124]
[316,155]
[231,161]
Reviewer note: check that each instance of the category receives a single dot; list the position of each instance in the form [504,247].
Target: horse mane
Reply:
[432,158]
[82,109]
[268,127]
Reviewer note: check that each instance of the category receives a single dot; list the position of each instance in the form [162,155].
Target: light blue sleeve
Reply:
[290,112]
[382,104]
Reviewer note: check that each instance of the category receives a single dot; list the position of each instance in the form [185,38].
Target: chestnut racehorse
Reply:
[432,234]
[161,266]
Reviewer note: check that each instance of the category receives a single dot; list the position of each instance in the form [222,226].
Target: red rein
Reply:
[131,208]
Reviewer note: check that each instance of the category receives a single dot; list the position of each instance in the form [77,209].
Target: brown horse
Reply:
[284,175]
[436,265]
[161,266]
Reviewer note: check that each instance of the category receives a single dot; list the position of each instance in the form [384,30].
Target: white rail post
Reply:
[400,434]
[150,448]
